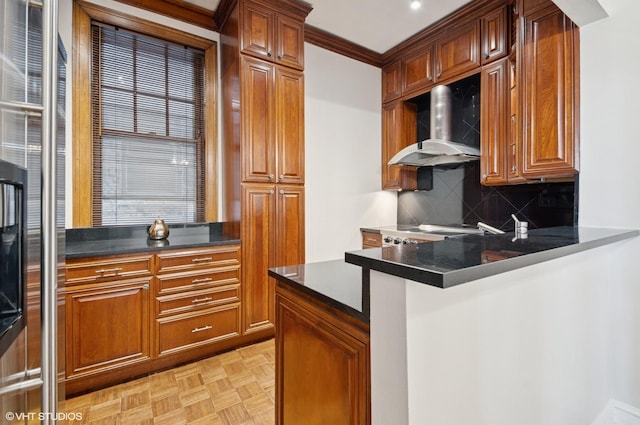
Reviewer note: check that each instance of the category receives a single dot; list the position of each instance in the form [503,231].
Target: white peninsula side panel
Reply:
[527,347]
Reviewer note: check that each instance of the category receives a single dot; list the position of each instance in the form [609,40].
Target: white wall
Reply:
[343,155]
[609,174]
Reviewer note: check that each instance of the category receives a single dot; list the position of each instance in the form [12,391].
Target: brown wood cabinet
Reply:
[313,339]
[391,82]
[273,219]
[494,118]
[449,54]
[371,240]
[197,298]
[271,36]
[107,326]
[272,123]
[179,305]
[538,104]
[495,35]
[529,51]
[399,129]
[263,135]
[550,91]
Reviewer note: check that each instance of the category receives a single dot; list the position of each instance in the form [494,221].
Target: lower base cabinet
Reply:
[129,315]
[322,363]
[107,327]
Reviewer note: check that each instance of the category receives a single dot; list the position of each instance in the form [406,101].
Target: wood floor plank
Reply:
[233,388]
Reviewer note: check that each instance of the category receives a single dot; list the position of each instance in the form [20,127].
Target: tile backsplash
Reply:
[458,197]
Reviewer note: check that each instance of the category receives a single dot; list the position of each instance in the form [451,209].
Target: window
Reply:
[142,123]
[148,129]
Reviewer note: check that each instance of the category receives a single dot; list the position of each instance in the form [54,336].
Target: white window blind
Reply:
[148,129]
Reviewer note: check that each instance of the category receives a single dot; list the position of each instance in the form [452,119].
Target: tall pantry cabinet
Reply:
[262,62]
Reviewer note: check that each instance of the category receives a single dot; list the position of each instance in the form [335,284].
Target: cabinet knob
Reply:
[279,57]
[271,192]
[484,177]
[281,191]
[145,286]
[269,53]
[514,169]
[270,177]
[486,55]
[281,177]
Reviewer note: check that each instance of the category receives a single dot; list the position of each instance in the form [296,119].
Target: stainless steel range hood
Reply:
[438,149]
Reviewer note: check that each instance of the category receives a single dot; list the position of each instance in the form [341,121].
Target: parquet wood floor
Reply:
[233,388]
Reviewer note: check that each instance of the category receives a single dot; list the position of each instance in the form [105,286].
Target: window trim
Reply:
[82,149]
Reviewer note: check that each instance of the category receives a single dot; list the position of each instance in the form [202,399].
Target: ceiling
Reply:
[377,25]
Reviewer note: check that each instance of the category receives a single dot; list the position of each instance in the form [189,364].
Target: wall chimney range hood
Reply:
[438,149]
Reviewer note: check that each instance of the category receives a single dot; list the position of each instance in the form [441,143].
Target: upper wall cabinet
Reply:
[550,76]
[495,44]
[398,131]
[273,37]
[391,82]
[447,56]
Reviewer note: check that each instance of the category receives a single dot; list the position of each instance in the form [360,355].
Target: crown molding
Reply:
[339,45]
[180,10]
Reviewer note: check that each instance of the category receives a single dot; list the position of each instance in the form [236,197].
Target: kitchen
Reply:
[333,100]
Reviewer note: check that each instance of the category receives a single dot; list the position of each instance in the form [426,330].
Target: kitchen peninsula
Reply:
[492,323]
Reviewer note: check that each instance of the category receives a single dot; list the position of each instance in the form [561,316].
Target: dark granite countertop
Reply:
[89,242]
[336,283]
[458,260]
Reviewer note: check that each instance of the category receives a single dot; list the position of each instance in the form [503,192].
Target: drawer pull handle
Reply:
[201,259]
[204,279]
[204,328]
[201,300]
[114,270]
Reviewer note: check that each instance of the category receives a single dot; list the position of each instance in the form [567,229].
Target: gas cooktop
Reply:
[402,234]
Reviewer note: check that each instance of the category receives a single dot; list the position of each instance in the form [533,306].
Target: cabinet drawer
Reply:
[196,300]
[186,331]
[371,240]
[104,269]
[176,261]
[171,284]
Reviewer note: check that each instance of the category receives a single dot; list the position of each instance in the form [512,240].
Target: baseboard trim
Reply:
[625,414]
[618,413]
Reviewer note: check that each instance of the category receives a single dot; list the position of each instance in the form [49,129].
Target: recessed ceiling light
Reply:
[415,4]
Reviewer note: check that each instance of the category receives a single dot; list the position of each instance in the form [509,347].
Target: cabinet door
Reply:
[399,130]
[550,80]
[494,35]
[257,36]
[458,52]
[290,226]
[309,343]
[417,71]
[392,81]
[107,326]
[258,247]
[289,42]
[258,133]
[494,114]
[514,144]
[290,125]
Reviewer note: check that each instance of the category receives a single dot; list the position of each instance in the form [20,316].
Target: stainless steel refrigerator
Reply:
[32,137]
